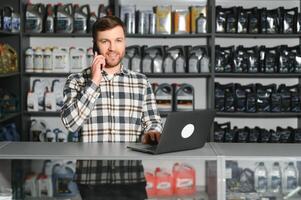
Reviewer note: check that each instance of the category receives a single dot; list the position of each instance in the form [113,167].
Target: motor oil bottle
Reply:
[260,176]
[64,18]
[39,89]
[7,18]
[205,63]
[168,64]
[32,98]
[164,97]
[184,97]
[50,101]
[101,11]
[290,178]
[136,61]
[164,183]
[37,127]
[180,63]
[89,56]
[157,63]
[193,63]
[57,90]
[150,184]
[34,18]
[60,60]
[81,16]
[201,24]
[147,63]
[62,178]
[49,21]
[184,179]
[62,137]
[38,60]
[47,60]
[77,59]
[30,189]
[29,59]
[44,181]
[15,22]
[92,20]
[275,178]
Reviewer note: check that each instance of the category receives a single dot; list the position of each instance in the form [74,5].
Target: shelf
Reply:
[178,75]
[47,74]
[43,114]
[257,35]
[258,114]
[8,33]
[259,75]
[9,75]
[169,35]
[58,34]
[9,116]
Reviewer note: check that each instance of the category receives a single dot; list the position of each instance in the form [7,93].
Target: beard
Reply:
[113,61]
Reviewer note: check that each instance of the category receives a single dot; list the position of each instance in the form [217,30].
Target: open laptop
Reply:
[182,131]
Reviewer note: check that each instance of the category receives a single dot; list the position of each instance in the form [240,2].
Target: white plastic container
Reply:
[38,60]
[29,60]
[60,60]
[47,60]
[77,59]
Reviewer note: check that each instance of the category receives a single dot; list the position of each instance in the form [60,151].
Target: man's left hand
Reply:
[151,137]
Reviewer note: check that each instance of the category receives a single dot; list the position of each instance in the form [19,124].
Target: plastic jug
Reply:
[49,21]
[64,18]
[150,184]
[184,179]
[184,97]
[77,59]
[62,178]
[81,16]
[164,183]
[34,18]
[164,97]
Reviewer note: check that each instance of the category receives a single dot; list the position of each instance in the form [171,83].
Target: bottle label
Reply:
[184,183]
[262,183]
[291,182]
[275,182]
[163,185]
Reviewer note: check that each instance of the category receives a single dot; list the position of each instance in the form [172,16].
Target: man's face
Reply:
[111,44]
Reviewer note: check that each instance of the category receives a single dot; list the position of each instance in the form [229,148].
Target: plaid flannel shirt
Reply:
[120,109]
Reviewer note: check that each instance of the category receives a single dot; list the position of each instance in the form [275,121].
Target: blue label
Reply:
[7,23]
[16,23]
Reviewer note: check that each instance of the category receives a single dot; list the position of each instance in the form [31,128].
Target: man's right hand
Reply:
[98,64]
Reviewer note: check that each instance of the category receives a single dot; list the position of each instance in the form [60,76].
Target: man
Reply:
[109,103]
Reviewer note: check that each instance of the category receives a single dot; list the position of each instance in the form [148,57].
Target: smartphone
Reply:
[96,50]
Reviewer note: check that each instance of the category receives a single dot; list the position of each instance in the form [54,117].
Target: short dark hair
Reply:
[107,23]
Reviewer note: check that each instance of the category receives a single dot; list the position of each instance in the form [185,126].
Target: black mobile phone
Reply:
[95,49]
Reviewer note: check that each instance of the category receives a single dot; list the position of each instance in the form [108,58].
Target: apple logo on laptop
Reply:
[187,131]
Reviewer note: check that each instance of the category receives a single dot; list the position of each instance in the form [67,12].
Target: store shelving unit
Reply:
[211,40]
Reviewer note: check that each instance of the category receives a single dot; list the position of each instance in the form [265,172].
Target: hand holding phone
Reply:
[98,64]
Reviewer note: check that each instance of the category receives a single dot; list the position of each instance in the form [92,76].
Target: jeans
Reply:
[134,191]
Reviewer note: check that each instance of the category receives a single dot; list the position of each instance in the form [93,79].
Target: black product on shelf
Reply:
[251,102]
[252,59]
[285,134]
[254,135]
[230,135]
[220,130]
[286,59]
[240,60]
[231,20]
[289,20]
[7,13]
[9,133]
[264,96]
[263,20]
[276,102]
[270,20]
[270,59]
[220,20]
[275,136]
[265,135]
[242,134]
[242,20]
[297,135]
[241,96]
[298,27]
[253,20]
[224,97]
[34,18]
[285,94]
[224,59]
